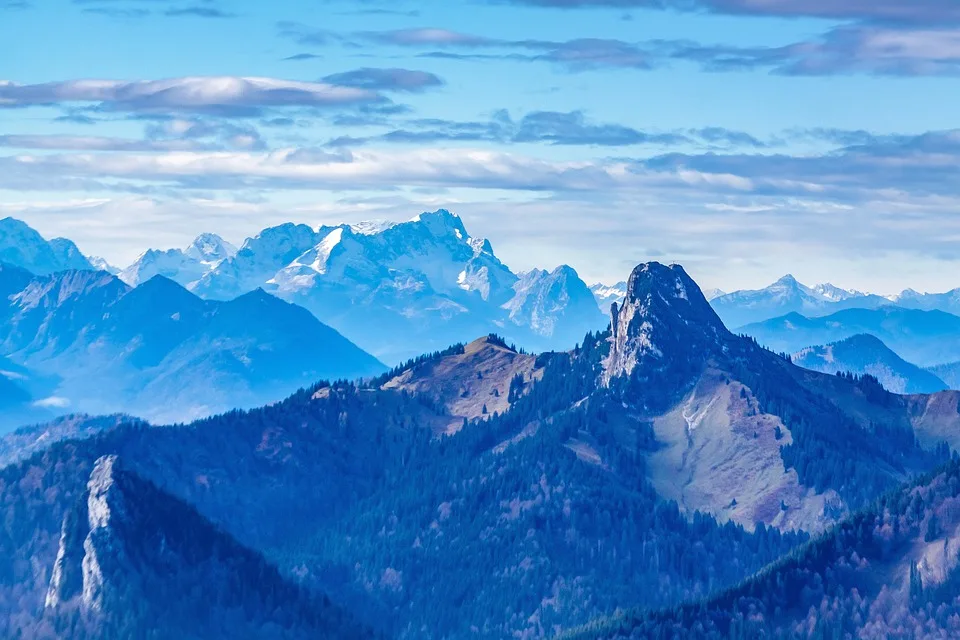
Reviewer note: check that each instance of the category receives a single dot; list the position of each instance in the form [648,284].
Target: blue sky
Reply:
[743,139]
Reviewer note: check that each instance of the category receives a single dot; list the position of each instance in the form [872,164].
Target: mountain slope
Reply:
[161,352]
[866,354]
[470,383]
[890,571]
[23,247]
[925,338]
[135,562]
[787,296]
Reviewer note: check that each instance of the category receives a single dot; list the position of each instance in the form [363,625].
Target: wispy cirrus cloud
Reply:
[198,11]
[147,8]
[228,95]
[391,79]
[571,128]
[575,55]
[864,49]
[306,35]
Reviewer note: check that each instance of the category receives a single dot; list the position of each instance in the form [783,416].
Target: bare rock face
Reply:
[86,541]
[665,329]
[66,581]
[104,505]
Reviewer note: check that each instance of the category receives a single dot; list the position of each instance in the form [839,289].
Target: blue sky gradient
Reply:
[744,139]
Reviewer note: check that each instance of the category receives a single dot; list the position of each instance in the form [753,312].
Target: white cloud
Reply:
[224,94]
[53,402]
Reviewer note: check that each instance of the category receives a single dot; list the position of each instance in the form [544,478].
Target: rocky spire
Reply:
[664,325]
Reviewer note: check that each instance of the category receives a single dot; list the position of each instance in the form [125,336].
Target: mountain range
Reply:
[400,289]
[786,296]
[482,491]
[925,338]
[397,290]
[86,341]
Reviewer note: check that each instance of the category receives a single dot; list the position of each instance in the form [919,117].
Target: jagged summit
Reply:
[664,322]
[209,247]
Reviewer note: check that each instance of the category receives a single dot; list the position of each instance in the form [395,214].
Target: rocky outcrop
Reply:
[664,327]
[86,537]
[66,581]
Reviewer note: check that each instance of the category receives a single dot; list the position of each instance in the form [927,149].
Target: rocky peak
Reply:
[68,255]
[442,223]
[665,325]
[209,247]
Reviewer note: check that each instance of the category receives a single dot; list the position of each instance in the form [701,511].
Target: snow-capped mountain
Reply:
[411,288]
[258,260]
[548,302]
[184,266]
[834,293]
[607,294]
[101,264]
[787,295]
[401,289]
[171,263]
[23,247]
[209,248]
